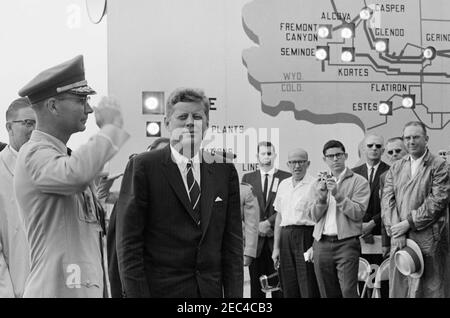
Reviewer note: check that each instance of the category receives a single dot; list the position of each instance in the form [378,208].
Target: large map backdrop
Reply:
[415,63]
[257,60]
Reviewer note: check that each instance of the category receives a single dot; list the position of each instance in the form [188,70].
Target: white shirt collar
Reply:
[375,166]
[182,160]
[271,172]
[418,160]
[13,151]
[306,179]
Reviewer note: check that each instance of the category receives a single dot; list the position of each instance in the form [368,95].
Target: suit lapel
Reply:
[175,180]
[207,193]
[258,189]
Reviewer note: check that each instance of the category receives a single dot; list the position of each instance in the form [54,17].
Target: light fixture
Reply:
[322,53]
[348,54]
[348,31]
[429,53]
[385,108]
[409,101]
[153,102]
[381,45]
[324,31]
[153,129]
[365,13]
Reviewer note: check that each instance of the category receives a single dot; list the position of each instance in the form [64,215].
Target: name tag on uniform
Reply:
[276,181]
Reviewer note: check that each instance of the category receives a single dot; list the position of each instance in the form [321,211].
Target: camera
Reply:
[324,176]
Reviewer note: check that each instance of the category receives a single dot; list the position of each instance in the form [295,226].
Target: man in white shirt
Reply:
[293,230]
[20,122]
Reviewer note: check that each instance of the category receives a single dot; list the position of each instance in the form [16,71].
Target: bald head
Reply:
[298,163]
[374,148]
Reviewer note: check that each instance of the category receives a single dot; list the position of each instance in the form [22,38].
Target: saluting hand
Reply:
[108,112]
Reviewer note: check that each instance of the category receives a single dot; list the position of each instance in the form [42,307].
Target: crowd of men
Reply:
[183,225]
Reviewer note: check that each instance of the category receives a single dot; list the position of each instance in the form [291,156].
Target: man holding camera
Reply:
[341,200]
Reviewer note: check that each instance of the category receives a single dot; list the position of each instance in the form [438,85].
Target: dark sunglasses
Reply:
[390,152]
[376,145]
[442,153]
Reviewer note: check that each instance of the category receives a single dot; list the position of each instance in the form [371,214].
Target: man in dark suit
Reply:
[265,183]
[178,227]
[372,170]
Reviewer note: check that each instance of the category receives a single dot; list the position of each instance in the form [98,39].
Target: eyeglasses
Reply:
[397,151]
[29,123]
[336,155]
[442,153]
[299,162]
[378,146]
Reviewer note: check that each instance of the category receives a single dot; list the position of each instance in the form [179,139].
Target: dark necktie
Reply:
[371,177]
[194,192]
[266,184]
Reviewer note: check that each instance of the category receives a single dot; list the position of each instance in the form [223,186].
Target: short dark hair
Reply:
[266,144]
[187,95]
[332,144]
[416,123]
[157,142]
[16,105]
[394,139]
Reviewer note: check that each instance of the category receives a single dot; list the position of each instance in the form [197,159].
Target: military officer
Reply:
[53,185]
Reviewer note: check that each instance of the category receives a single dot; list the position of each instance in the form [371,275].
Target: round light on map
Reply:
[365,14]
[384,108]
[347,33]
[429,53]
[408,101]
[153,129]
[323,32]
[380,46]
[347,56]
[151,103]
[321,54]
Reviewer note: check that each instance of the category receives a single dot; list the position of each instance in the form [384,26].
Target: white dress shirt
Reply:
[182,162]
[375,168]
[291,201]
[415,163]
[330,227]
[270,173]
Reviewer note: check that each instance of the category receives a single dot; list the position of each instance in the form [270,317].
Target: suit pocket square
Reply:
[218,199]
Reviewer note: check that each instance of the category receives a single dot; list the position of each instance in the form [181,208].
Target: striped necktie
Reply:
[194,192]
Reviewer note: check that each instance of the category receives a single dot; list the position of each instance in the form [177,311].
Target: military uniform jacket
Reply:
[54,194]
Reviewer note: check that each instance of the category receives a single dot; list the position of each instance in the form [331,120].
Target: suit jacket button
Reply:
[198,223]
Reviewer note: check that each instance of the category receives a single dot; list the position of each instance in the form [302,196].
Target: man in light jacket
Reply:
[20,122]
[341,201]
[54,186]
[415,206]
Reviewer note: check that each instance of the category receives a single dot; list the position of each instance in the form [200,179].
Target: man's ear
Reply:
[52,106]
[8,127]
[346,156]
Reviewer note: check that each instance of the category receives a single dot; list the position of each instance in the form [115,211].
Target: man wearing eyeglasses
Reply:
[415,206]
[20,122]
[63,220]
[341,201]
[293,238]
[265,183]
[371,170]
